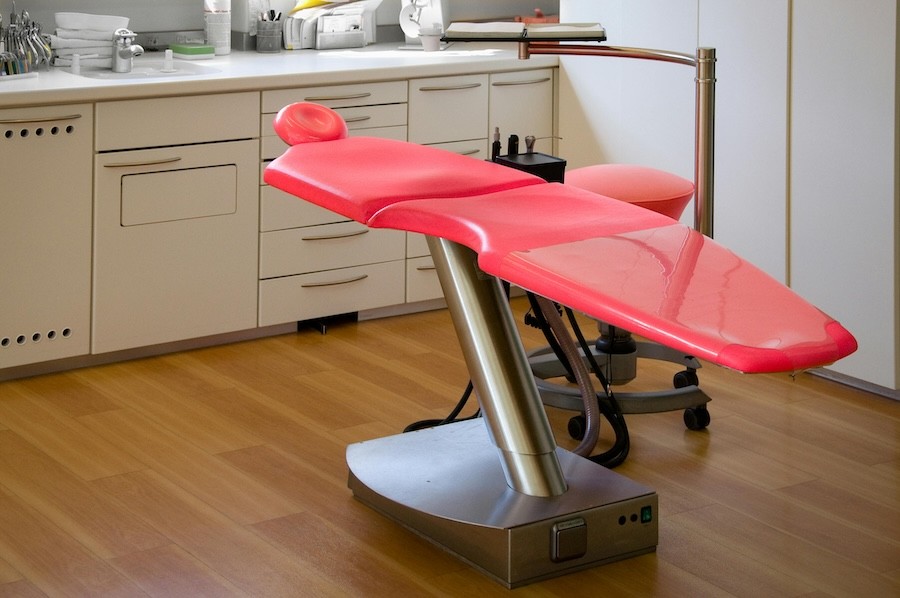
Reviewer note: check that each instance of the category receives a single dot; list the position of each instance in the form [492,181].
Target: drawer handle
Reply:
[450,87]
[312,285]
[355,233]
[425,268]
[40,119]
[143,163]
[523,82]
[349,96]
[357,119]
[468,152]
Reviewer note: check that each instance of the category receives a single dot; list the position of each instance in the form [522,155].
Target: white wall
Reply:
[616,110]
[751,42]
[625,110]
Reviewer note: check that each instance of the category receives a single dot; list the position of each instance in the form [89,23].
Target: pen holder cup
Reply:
[268,36]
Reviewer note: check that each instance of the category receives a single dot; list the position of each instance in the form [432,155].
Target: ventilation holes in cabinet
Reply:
[38,131]
[34,337]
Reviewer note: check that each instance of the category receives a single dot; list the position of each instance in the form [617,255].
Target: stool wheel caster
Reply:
[696,418]
[685,378]
[577,427]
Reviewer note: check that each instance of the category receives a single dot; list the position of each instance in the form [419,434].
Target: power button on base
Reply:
[568,540]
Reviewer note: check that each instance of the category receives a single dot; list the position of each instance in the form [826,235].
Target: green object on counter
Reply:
[192,51]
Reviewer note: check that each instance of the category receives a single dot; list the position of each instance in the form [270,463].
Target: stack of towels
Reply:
[89,36]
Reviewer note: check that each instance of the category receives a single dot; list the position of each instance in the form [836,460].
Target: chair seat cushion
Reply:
[650,188]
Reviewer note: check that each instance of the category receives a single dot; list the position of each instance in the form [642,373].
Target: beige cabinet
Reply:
[156,226]
[45,227]
[459,114]
[445,109]
[176,226]
[313,262]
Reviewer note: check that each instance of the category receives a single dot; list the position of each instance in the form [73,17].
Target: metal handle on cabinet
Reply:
[357,119]
[143,163]
[40,119]
[349,96]
[468,152]
[425,268]
[355,233]
[312,285]
[450,87]
[524,82]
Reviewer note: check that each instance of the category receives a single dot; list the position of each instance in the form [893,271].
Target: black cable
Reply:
[544,326]
[451,418]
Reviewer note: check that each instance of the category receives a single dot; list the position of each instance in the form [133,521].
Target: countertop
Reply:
[249,71]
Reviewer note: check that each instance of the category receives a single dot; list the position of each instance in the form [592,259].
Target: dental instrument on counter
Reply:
[513,145]
[495,146]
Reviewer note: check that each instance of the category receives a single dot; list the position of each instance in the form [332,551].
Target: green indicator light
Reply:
[646,514]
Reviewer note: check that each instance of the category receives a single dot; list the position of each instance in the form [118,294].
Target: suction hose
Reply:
[582,377]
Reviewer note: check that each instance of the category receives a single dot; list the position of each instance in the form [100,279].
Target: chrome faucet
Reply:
[124,50]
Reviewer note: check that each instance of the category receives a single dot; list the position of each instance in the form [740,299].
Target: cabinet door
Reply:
[521,103]
[443,109]
[844,208]
[45,227]
[175,244]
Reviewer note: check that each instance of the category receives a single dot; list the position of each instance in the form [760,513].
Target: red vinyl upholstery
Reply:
[610,259]
[650,188]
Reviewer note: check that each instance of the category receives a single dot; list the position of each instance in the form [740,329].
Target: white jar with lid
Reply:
[217,25]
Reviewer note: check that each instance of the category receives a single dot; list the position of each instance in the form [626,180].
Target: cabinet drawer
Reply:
[416,245]
[422,283]
[358,117]
[372,121]
[322,294]
[522,104]
[475,148]
[280,210]
[448,108]
[337,96]
[317,248]
[158,122]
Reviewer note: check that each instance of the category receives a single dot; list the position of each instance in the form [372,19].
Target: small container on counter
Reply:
[268,36]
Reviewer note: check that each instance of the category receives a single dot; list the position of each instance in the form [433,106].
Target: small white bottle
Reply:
[217,25]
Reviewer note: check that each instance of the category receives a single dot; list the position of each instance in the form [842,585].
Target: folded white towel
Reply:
[60,43]
[102,51]
[80,20]
[84,34]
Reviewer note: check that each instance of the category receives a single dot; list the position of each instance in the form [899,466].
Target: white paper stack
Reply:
[90,36]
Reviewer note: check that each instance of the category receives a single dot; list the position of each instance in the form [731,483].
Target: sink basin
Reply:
[152,68]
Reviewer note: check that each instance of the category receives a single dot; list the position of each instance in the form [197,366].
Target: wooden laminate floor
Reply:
[220,472]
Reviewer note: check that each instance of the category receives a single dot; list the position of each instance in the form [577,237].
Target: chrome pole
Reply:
[500,373]
[704,139]
[705,108]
